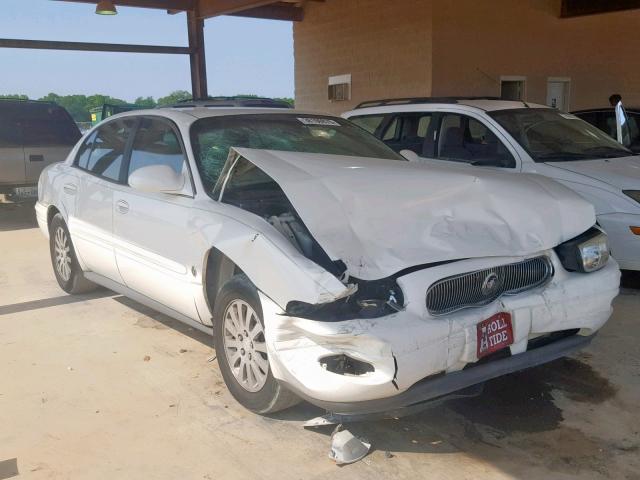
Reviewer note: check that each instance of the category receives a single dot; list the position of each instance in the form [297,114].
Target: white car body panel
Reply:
[600,182]
[156,253]
[339,200]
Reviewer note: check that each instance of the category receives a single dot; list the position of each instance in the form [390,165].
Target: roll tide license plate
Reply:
[494,333]
[25,192]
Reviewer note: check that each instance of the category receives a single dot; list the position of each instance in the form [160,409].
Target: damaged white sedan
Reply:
[325,266]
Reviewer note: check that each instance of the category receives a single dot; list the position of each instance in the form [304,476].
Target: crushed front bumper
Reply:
[417,357]
[443,385]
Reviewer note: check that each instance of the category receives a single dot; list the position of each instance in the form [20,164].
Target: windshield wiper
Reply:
[609,152]
[564,156]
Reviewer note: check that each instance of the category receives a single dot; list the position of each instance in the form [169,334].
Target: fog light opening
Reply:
[345,365]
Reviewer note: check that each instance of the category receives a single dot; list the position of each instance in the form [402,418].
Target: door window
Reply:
[465,139]
[156,143]
[370,123]
[9,127]
[391,133]
[408,131]
[107,149]
[82,160]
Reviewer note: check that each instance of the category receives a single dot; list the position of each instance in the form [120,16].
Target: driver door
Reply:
[153,234]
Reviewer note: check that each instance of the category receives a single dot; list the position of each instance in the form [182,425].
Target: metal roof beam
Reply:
[180,5]
[274,12]
[91,47]
[214,8]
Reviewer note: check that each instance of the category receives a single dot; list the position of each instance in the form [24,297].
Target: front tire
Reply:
[64,261]
[242,352]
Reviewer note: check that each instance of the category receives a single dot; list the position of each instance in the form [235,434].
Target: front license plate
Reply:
[494,333]
[25,192]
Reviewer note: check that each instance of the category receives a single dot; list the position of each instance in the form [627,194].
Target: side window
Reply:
[408,131]
[9,127]
[370,123]
[391,133]
[465,139]
[156,144]
[634,127]
[44,125]
[108,148]
[82,160]
[607,123]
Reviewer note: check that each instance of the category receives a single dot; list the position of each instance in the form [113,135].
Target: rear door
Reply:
[11,152]
[48,134]
[101,161]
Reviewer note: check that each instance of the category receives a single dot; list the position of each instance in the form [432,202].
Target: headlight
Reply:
[586,253]
[633,194]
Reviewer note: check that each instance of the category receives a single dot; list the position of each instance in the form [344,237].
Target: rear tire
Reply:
[241,349]
[64,260]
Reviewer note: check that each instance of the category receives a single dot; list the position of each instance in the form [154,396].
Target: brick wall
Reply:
[462,47]
[476,42]
[385,46]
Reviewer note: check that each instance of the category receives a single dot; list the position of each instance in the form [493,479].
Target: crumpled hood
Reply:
[623,173]
[382,216]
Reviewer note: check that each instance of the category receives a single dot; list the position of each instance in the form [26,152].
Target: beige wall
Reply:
[443,47]
[386,51]
[475,42]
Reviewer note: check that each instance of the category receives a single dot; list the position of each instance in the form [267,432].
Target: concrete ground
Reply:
[100,387]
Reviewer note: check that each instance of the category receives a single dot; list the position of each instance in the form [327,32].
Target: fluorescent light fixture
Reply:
[106,7]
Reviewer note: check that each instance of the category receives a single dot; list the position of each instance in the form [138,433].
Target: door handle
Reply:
[70,188]
[122,206]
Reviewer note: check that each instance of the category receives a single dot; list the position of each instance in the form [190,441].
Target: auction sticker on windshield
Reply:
[494,333]
[319,121]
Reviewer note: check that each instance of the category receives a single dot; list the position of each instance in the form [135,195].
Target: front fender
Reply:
[274,266]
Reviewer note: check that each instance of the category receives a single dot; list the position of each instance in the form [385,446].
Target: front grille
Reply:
[475,289]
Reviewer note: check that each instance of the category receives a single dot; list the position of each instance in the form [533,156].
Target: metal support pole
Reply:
[195,29]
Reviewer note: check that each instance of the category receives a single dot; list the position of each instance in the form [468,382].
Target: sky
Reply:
[244,56]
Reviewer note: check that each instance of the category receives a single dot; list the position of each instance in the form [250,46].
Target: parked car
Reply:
[519,137]
[605,120]
[32,136]
[325,265]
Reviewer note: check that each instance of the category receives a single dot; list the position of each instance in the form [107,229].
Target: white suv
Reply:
[519,137]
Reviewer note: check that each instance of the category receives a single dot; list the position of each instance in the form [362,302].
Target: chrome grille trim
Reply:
[465,290]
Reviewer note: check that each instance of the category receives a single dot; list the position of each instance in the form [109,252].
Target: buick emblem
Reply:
[490,284]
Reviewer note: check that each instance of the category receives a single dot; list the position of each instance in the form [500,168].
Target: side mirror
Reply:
[157,179]
[410,155]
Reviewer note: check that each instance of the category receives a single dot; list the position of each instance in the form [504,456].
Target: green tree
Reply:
[175,97]
[147,102]
[289,100]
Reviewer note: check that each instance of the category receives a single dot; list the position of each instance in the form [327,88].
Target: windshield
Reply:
[549,135]
[213,136]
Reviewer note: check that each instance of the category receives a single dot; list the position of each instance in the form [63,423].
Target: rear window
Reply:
[36,124]
[213,136]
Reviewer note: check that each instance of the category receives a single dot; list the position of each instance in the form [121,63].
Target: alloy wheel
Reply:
[62,249]
[245,346]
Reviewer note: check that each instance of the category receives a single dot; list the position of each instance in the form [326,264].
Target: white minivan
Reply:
[516,136]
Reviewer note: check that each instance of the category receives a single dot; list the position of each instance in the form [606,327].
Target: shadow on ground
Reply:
[17,216]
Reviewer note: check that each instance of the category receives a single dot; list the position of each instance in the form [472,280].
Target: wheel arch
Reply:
[217,270]
[51,212]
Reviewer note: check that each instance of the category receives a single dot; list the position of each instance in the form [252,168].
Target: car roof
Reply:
[605,109]
[188,115]
[236,101]
[487,104]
